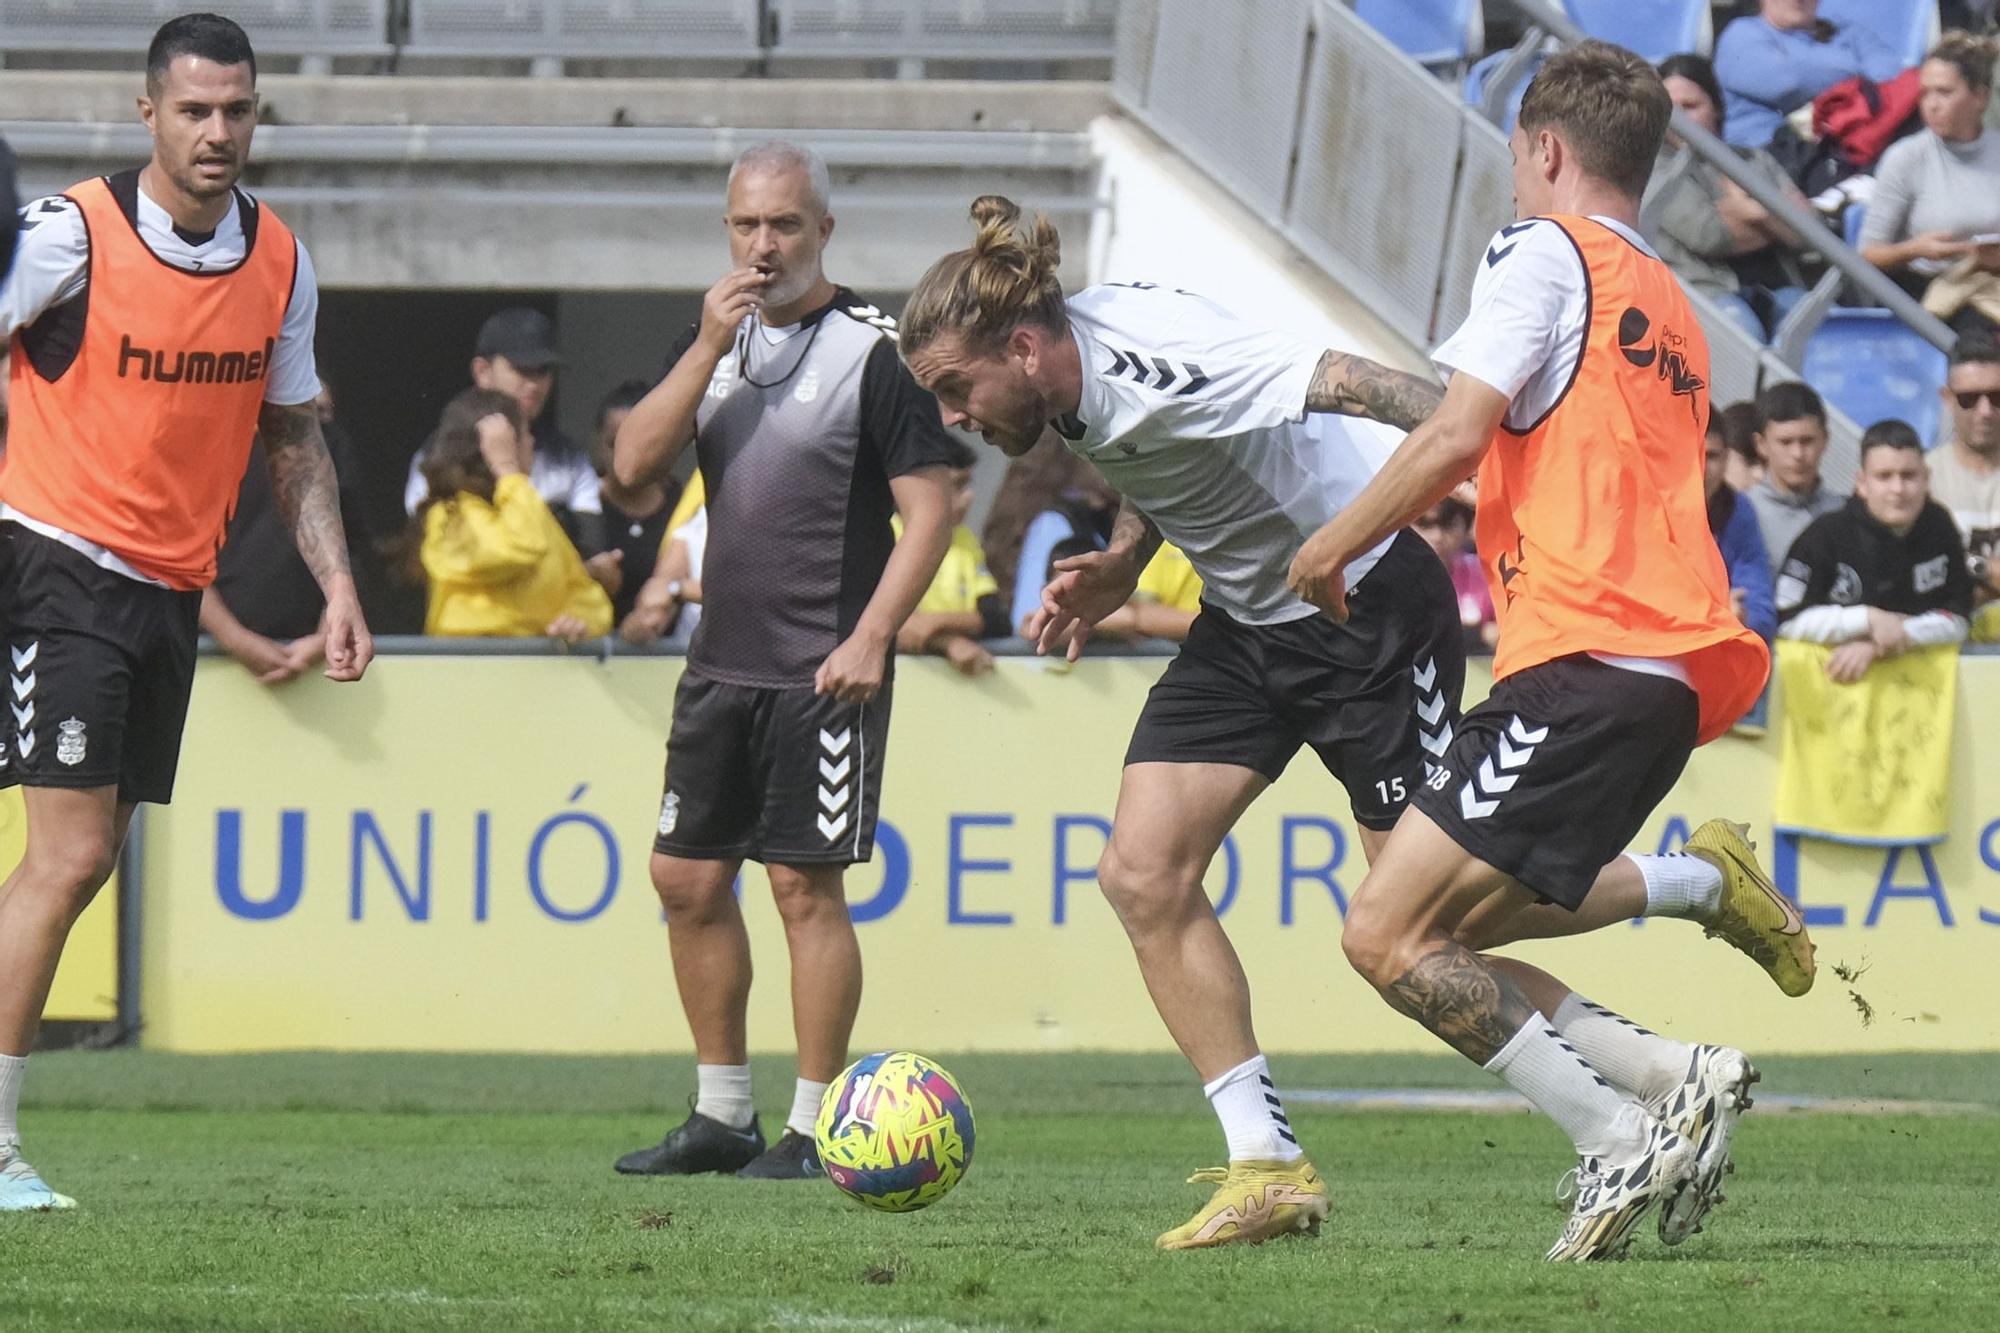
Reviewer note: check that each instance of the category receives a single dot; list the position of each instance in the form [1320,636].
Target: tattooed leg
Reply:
[1468,1003]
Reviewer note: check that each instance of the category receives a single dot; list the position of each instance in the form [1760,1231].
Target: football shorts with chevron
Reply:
[782,775]
[1554,775]
[98,671]
[1376,698]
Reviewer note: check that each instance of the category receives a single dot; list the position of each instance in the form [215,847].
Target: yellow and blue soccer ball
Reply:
[895,1132]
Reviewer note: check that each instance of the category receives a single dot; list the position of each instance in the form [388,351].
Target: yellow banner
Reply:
[86,988]
[453,856]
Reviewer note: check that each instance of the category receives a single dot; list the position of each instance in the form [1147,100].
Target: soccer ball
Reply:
[894,1132]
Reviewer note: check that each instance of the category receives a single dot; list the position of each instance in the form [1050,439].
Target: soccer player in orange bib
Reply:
[160,321]
[1578,388]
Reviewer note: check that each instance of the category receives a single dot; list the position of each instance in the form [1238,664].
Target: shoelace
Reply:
[1566,1189]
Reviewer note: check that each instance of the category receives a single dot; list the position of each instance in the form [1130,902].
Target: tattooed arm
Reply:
[1354,386]
[308,494]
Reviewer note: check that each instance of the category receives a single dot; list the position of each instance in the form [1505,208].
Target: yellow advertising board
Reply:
[86,987]
[453,856]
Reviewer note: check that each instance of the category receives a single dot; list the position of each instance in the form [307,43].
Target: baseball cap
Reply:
[523,335]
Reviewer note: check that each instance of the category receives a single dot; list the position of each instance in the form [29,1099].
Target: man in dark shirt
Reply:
[635,517]
[1884,573]
[811,436]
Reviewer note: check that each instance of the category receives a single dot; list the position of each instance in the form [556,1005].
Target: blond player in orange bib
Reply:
[160,320]
[1578,389]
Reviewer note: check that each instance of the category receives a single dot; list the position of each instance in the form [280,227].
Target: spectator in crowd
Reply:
[498,561]
[1077,521]
[1965,470]
[670,602]
[1791,439]
[1740,539]
[1163,605]
[1743,467]
[1026,491]
[1774,62]
[516,355]
[963,604]
[1448,529]
[635,517]
[1714,236]
[1935,212]
[1884,573]
[264,607]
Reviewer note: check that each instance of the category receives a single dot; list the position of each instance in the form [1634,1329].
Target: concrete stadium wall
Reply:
[453,855]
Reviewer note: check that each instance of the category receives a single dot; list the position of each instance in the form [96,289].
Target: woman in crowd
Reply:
[1934,220]
[498,561]
[1719,240]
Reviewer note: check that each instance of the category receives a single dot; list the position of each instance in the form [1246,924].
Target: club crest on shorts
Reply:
[70,742]
[670,814]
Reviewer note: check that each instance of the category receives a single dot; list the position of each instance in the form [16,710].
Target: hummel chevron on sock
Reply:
[1253,1119]
[1546,1070]
[722,1092]
[1678,884]
[1643,1065]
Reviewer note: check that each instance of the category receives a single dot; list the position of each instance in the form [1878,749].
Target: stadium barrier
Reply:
[453,856]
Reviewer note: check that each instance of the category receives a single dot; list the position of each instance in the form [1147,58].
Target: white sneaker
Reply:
[22,1190]
[1704,1110]
[1613,1195]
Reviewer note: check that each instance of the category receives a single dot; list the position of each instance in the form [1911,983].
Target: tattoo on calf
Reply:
[1453,992]
[1357,387]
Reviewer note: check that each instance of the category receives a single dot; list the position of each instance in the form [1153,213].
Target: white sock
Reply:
[722,1092]
[1547,1071]
[1643,1065]
[1678,884]
[1253,1119]
[805,1106]
[13,1068]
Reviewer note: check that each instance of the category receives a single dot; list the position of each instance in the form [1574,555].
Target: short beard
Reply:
[195,188]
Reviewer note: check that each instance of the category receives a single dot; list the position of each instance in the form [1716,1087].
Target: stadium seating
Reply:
[681,29]
[958,29]
[1910,27]
[1476,79]
[1437,33]
[280,27]
[1870,366]
[1655,29]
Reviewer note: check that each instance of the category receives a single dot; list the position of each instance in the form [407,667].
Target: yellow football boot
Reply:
[1253,1202]
[1754,916]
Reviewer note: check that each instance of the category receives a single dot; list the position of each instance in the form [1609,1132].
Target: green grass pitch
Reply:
[474,1192]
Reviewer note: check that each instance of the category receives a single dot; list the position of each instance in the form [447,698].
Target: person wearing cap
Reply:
[516,354]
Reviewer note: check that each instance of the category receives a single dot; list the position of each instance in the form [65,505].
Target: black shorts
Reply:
[99,669]
[1553,776]
[774,775]
[1376,698]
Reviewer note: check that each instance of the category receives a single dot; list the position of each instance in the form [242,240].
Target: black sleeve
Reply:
[679,349]
[994,622]
[1806,577]
[1956,595]
[900,420]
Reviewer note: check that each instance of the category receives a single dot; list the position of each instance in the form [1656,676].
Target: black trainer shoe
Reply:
[700,1145]
[793,1157]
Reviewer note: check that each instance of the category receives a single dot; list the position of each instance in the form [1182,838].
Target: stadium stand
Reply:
[1656,30]
[1437,34]
[1910,27]
[1868,365]
[313,29]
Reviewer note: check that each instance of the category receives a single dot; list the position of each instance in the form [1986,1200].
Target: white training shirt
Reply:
[1200,419]
[1524,337]
[52,268]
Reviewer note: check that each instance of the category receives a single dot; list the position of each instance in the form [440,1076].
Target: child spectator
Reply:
[498,561]
[963,604]
[1448,529]
[1743,468]
[1164,604]
[1791,439]
[1741,541]
[635,517]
